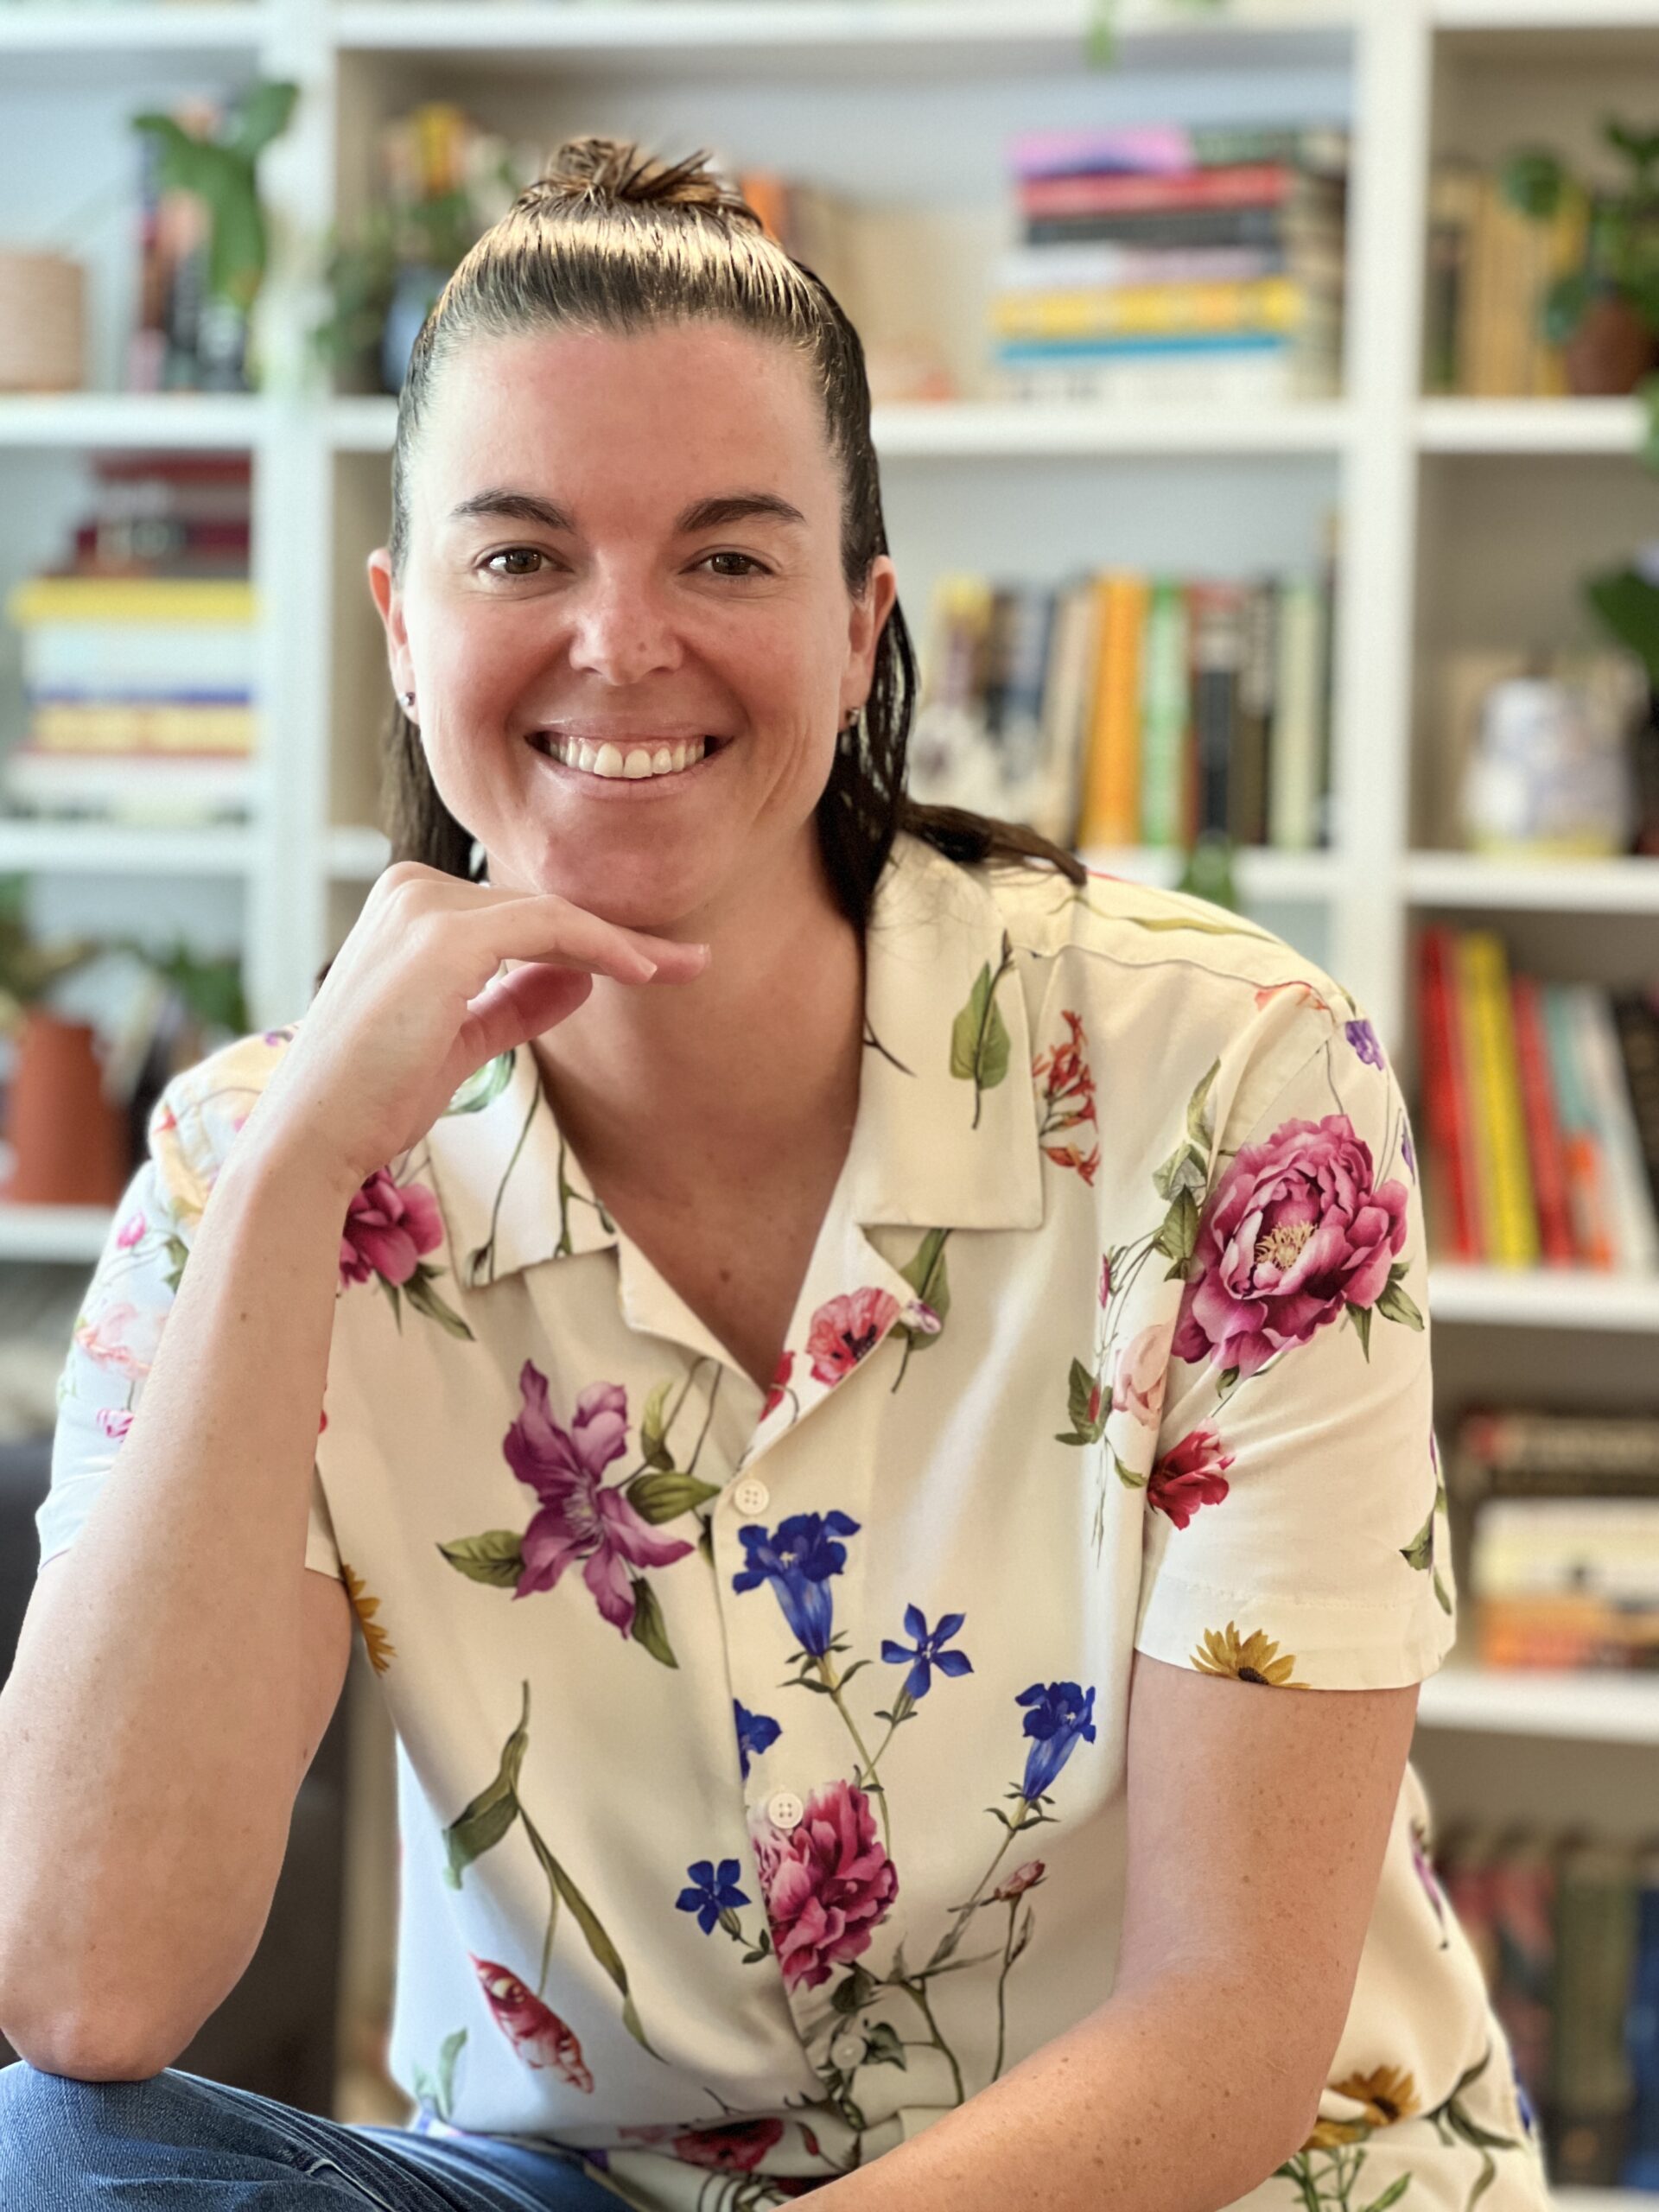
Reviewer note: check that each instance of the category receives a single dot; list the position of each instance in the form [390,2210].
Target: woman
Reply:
[981,1294]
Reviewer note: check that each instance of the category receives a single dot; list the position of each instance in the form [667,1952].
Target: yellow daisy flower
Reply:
[379,1645]
[1388,2094]
[1250,1659]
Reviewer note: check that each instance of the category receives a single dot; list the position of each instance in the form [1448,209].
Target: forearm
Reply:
[1171,2097]
[148,1735]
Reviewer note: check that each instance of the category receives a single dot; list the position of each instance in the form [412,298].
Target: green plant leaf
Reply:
[1566,304]
[263,115]
[496,1558]
[648,1626]
[1534,181]
[664,1495]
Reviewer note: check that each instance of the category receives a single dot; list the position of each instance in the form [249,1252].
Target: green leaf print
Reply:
[980,1045]
[448,2051]
[1394,1305]
[665,1495]
[422,1296]
[1127,1475]
[925,1271]
[493,1812]
[1420,1552]
[594,1934]
[1395,2189]
[1178,1234]
[496,1558]
[177,1253]
[1088,1403]
[1362,1321]
[654,1426]
[648,1628]
[483,1085]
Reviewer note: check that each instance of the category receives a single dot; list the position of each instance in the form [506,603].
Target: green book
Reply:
[1165,716]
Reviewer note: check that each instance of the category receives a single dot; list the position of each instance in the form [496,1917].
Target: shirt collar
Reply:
[946,1134]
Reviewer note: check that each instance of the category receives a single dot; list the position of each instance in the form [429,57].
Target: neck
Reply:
[664,1087]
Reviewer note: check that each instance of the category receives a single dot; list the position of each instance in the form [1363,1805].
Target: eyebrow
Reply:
[702,514]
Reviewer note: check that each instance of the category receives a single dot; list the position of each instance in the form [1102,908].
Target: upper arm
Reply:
[325,1654]
[1258,1817]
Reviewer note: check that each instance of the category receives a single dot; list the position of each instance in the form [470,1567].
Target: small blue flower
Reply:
[927,1652]
[756,1732]
[711,1894]
[1058,1715]
[798,1562]
[1363,1038]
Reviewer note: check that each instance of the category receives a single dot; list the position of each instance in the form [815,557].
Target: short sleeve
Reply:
[116,1335]
[1295,1531]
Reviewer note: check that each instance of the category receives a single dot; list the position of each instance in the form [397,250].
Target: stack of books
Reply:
[138,657]
[1489,269]
[1541,1106]
[1567,1930]
[1557,1517]
[1163,262]
[1125,710]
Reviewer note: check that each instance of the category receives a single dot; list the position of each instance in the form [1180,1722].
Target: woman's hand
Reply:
[414,1002]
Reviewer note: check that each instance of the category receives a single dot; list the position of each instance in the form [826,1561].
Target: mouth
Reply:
[635,760]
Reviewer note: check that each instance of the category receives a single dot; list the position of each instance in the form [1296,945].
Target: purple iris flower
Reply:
[1363,1038]
[927,1652]
[1058,1716]
[798,1562]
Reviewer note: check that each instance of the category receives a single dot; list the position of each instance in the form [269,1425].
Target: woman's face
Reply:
[632,541]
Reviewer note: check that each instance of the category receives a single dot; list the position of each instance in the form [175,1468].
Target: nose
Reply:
[620,629]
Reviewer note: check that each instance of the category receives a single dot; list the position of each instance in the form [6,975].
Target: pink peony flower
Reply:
[580,1517]
[844,1330]
[1294,1234]
[779,1384]
[122,1336]
[130,1231]
[1189,1476]
[114,1421]
[828,1883]
[387,1228]
[1143,1370]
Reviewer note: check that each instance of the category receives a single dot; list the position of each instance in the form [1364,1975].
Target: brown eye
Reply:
[748,565]
[513,554]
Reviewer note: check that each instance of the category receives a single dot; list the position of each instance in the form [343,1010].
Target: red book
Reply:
[1446,1090]
[1251,184]
[1544,1149]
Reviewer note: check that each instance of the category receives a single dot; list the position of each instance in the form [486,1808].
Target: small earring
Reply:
[407,701]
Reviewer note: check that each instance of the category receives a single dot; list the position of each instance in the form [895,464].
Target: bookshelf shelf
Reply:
[1627,885]
[1530,426]
[1543,1298]
[180,33]
[100,848]
[357,855]
[969,430]
[1596,1707]
[1547,15]
[198,422]
[67,1236]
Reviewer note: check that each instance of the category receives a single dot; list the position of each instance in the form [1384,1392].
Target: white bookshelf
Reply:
[911,100]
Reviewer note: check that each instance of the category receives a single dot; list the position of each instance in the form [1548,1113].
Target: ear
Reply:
[389,601]
[870,611]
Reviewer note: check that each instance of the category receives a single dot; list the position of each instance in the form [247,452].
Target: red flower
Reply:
[1068,1097]
[779,1383]
[827,1883]
[1190,1476]
[736,2147]
[387,1228]
[1022,1878]
[847,1329]
[538,2036]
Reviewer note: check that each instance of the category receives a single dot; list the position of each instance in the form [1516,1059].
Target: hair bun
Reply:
[595,172]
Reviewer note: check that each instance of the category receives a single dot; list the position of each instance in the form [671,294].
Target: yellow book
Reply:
[1111,787]
[128,727]
[132,599]
[1509,1214]
[1260,303]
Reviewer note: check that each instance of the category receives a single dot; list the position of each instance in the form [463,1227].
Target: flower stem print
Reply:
[607,1526]
[1010,1893]
[925,1271]
[980,1045]
[1327,2169]
[1067,1099]
[436,2091]
[1420,1552]
[487,1820]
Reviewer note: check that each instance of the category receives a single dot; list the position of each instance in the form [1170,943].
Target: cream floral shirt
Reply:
[761,1755]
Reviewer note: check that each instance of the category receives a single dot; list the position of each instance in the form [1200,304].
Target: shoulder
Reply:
[194,1123]
[1166,986]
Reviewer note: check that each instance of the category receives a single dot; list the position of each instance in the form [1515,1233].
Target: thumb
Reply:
[515,1008]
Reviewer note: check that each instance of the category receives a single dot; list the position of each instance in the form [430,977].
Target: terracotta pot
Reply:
[1611,350]
[70,1143]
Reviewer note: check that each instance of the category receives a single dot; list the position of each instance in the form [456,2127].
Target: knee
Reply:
[50,2125]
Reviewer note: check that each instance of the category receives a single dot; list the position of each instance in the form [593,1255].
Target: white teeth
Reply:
[638,761]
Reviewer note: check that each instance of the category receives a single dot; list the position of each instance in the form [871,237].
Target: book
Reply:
[1165,715]
[1521,1452]
[1251,184]
[1592,2087]
[1068,700]
[1508,1219]
[1173,148]
[1589,1193]
[1452,1203]
[1111,793]
[1641,2166]
[1249,307]
[1544,1147]
[1247,790]
[1300,713]
[180,789]
[1217,617]
[1522,1894]
[1636,1015]
[143,726]
[1635,1229]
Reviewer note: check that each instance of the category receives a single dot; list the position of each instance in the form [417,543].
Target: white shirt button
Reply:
[784,1809]
[751,1495]
[846,2050]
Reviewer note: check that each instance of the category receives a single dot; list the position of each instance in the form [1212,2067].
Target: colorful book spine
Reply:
[1445,1099]
[1250,184]
[1166,716]
[1593,2089]
[1297,734]
[1636,1234]
[1509,1218]
[1265,304]
[1544,1150]
[1589,1196]
[1111,798]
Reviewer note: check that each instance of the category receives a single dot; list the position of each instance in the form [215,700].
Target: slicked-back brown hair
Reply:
[610,239]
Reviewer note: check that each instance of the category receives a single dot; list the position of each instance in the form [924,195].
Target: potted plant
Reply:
[1625,600]
[220,171]
[68,1143]
[1605,313]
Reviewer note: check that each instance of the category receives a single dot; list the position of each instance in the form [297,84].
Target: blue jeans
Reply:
[176,2143]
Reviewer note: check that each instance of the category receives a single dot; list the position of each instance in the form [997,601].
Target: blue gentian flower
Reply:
[1058,1715]
[927,1651]
[711,1893]
[798,1562]
[756,1732]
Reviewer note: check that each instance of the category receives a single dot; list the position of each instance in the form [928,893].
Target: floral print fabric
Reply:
[761,1754]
